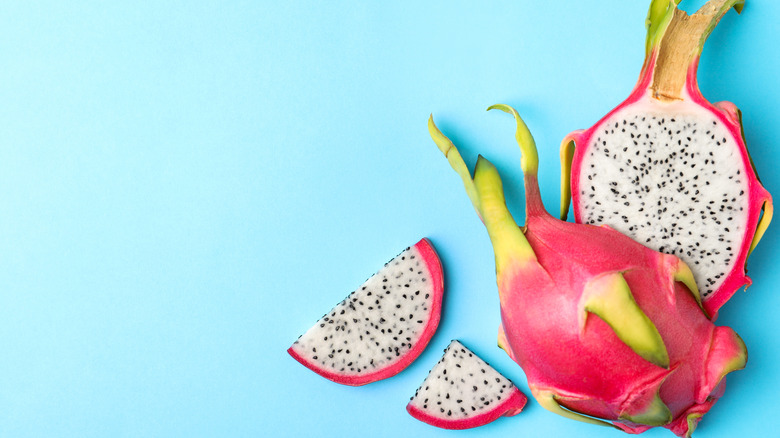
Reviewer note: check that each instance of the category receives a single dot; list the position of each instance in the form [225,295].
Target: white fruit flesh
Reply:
[673,179]
[376,325]
[461,386]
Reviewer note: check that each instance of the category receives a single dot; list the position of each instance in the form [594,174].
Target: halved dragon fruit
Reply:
[381,327]
[670,169]
[462,391]
[607,331]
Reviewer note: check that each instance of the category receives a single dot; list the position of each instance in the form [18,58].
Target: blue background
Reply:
[186,186]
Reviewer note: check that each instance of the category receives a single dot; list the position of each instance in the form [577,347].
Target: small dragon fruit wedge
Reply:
[670,169]
[462,391]
[607,331]
[381,327]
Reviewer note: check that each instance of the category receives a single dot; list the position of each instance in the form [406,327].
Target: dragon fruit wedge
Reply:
[381,327]
[462,391]
[670,169]
[607,331]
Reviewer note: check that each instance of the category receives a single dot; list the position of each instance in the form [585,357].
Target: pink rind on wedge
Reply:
[513,405]
[436,274]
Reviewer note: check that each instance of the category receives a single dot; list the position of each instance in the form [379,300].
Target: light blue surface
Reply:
[188,185]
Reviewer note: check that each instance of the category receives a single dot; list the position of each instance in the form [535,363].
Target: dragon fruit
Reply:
[381,327]
[607,331]
[463,391]
[670,169]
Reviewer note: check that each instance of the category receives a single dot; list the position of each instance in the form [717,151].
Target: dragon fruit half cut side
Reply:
[462,391]
[670,169]
[380,328]
[606,330]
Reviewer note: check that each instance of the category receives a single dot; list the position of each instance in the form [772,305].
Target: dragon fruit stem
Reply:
[658,17]
[675,41]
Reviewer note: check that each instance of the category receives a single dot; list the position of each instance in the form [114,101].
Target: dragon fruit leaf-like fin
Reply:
[692,420]
[567,156]
[682,272]
[529,161]
[644,405]
[763,223]
[486,193]
[609,297]
[456,162]
[509,243]
[727,353]
[548,400]
[656,413]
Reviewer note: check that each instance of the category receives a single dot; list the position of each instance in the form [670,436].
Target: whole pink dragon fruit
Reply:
[607,331]
[670,169]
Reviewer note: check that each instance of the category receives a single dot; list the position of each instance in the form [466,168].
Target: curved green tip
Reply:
[487,195]
[548,400]
[529,162]
[684,275]
[763,224]
[656,413]
[693,421]
[456,162]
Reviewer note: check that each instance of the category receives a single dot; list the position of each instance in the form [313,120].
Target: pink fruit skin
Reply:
[512,405]
[727,113]
[433,263]
[592,370]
